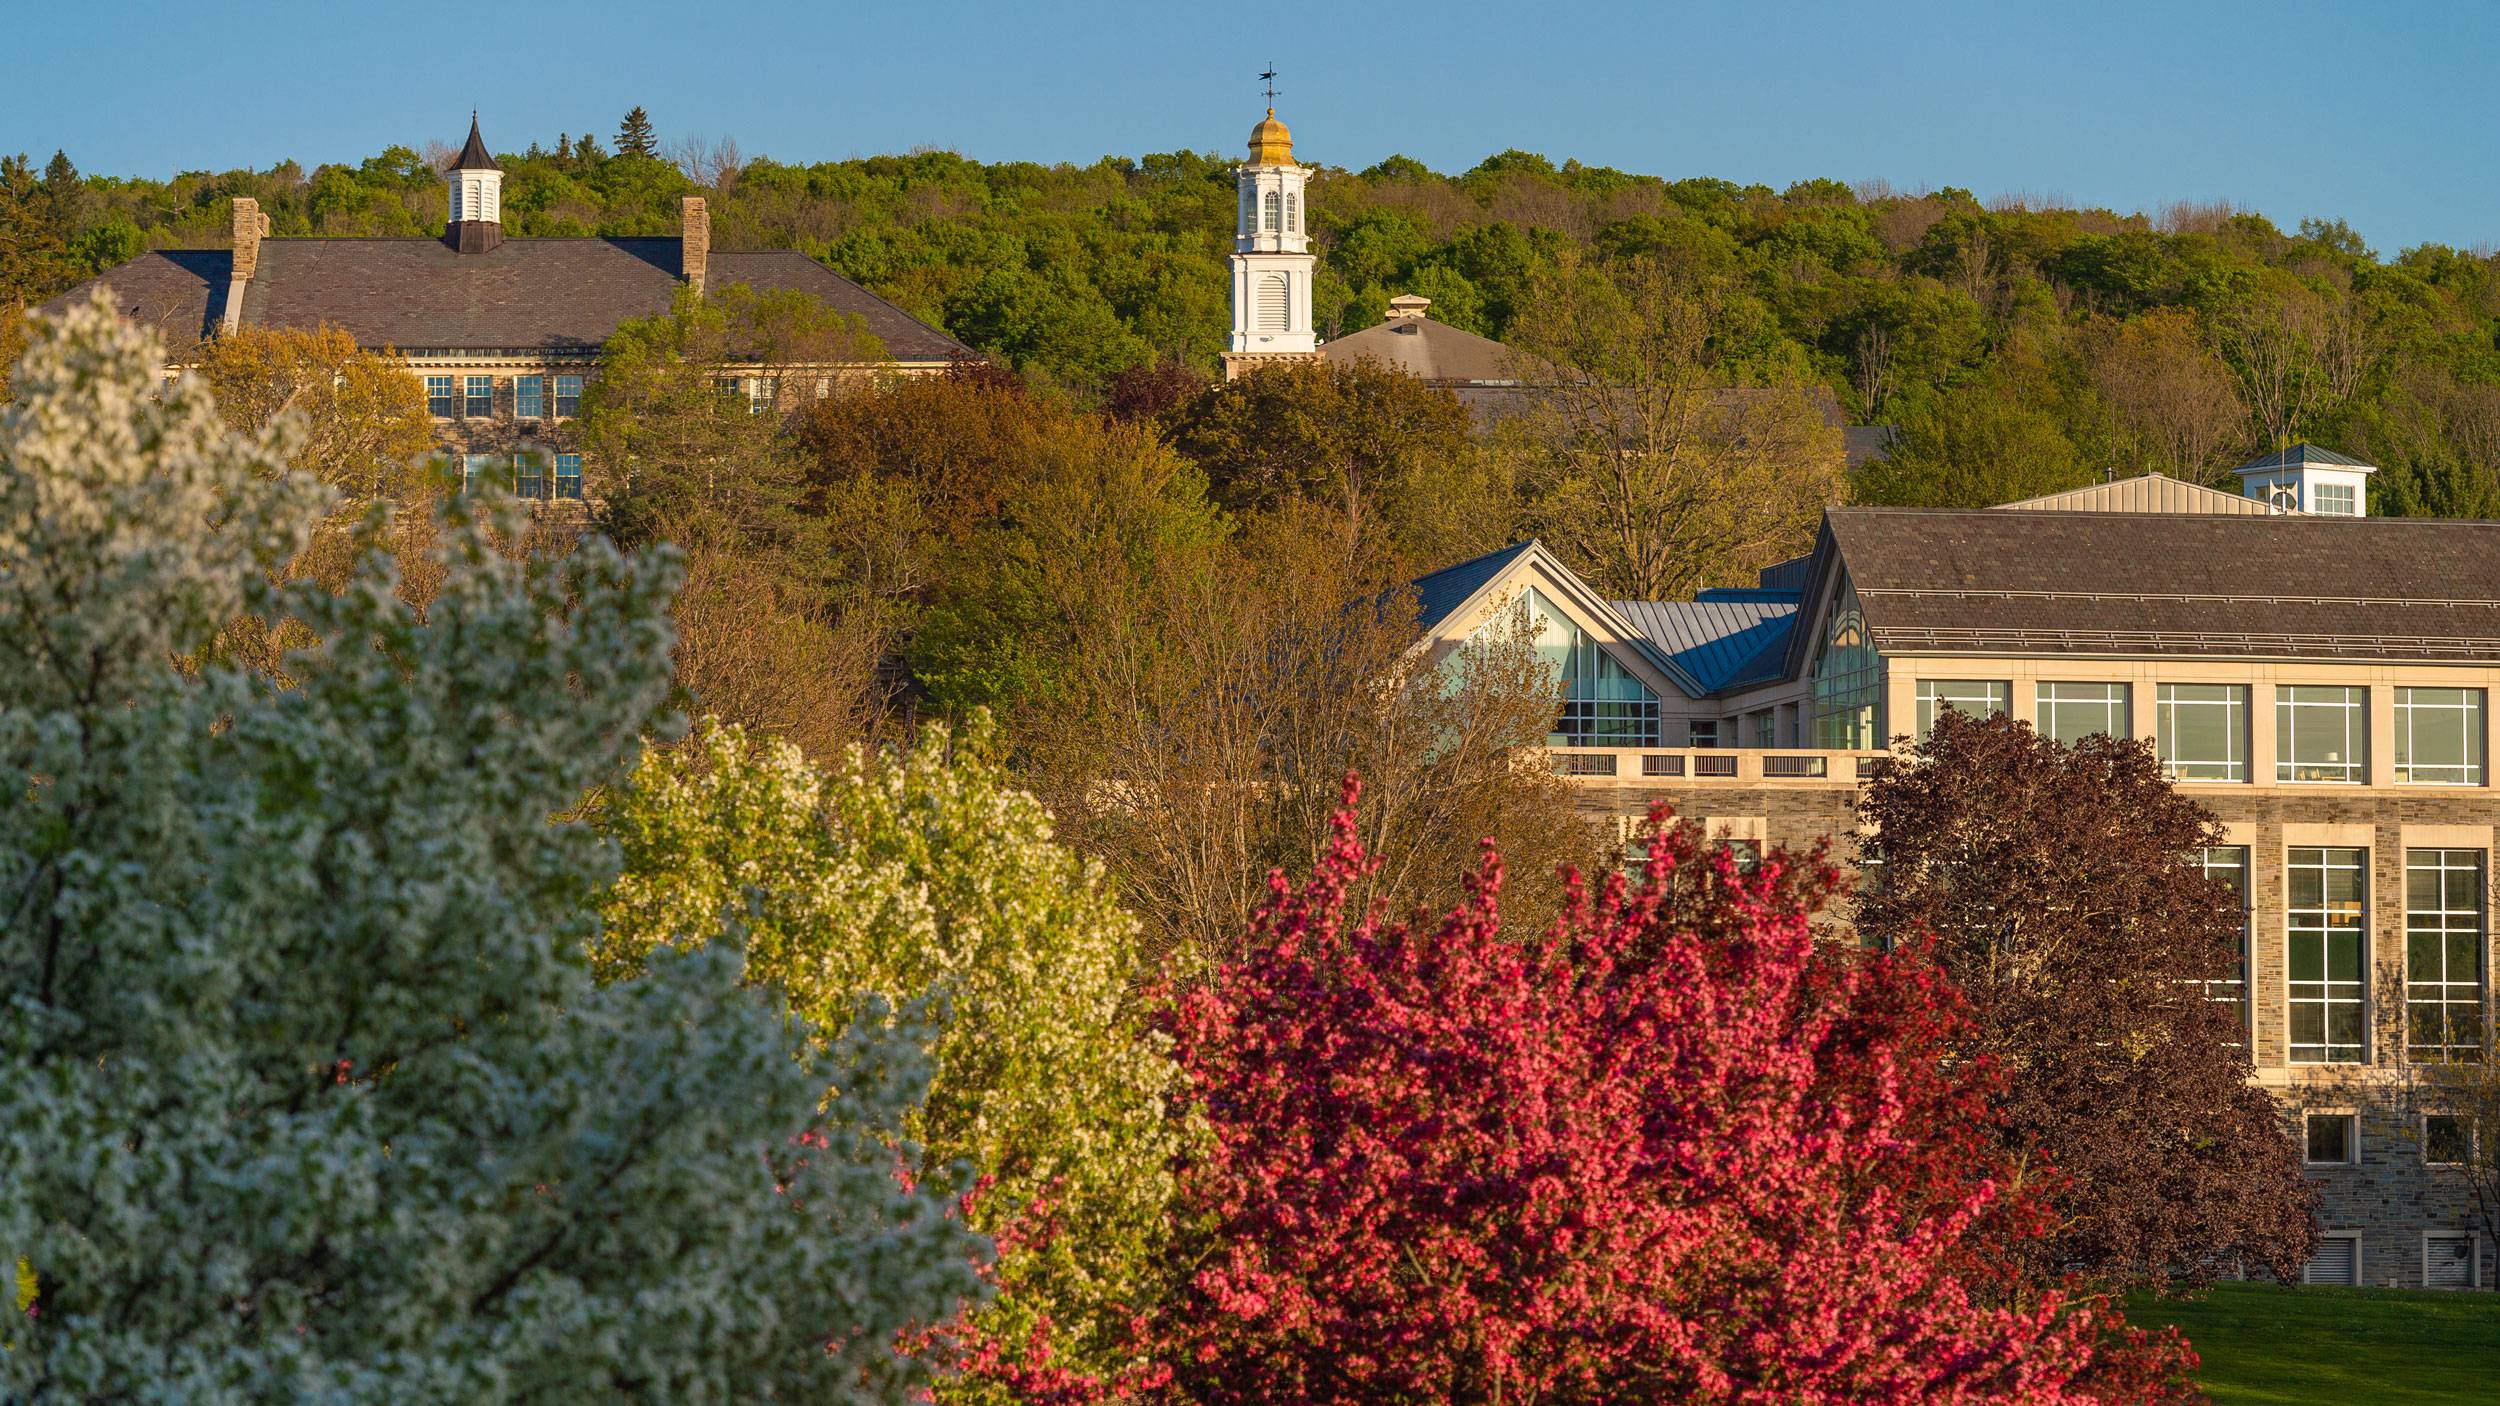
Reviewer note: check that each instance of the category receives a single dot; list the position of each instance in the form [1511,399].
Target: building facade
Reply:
[504,334]
[2321,682]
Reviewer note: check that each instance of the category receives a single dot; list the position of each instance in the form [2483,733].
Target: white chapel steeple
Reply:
[476,191]
[1272,260]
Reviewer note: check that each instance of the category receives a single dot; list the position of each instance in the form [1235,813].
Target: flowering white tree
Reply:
[930,870]
[306,1090]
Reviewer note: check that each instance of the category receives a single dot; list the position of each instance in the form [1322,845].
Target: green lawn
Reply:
[2344,1346]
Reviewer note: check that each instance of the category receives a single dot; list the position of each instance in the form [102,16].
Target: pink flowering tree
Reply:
[1676,1149]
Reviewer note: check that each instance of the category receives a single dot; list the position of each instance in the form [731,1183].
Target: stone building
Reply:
[503,333]
[2320,679]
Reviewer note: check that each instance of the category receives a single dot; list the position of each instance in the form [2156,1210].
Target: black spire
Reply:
[473,157]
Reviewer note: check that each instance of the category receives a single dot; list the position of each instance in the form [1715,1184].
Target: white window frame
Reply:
[450,398]
[468,394]
[556,397]
[2473,1257]
[2471,705]
[2119,697]
[2335,500]
[1933,696]
[556,477]
[470,468]
[2352,712]
[2233,769]
[537,385]
[2359,1275]
[2328,996]
[2352,1140]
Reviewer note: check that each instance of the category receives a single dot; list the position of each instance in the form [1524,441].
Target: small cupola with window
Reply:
[476,189]
[2307,479]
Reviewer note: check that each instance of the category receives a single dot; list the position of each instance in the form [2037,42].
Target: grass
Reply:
[2265,1343]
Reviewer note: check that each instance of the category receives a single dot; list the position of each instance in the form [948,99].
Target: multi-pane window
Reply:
[1746,853]
[530,475]
[1272,205]
[1766,732]
[568,475]
[2332,1138]
[475,470]
[2071,712]
[568,395]
[1977,697]
[477,397]
[2327,952]
[1701,732]
[529,397]
[1848,679]
[763,393]
[2444,954]
[2439,736]
[2321,734]
[1603,703]
[2226,866]
[438,397]
[2334,499]
[2200,731]
[1293,213]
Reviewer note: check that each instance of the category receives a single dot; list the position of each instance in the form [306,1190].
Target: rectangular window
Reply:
[529,397]
[1766,732]
[2445,1142]
[1702,732]
[530,476]
[438,399]
[477,397]
[2071,712]
[2227,867]
[1977,697]
[2448,1261]
[2444,954]
[2439,736]
[2200,731]
[2321,734]
[1746,853]
[763,393]
[568,396]
[475,471]
[2328,955]
[2334,1140]
[568,475]
[2334,500]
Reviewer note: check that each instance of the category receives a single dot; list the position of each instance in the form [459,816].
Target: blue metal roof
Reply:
[1715,638]
[1444,591]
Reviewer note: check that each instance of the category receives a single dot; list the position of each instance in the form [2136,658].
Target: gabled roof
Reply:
[2301,456]
[551,295]
[2165,584]
[1439,595]
[2145,493]
[473,157]
[1431,351]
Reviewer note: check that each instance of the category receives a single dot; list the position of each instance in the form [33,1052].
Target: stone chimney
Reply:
[695,235]
[250,227]
[1406,305]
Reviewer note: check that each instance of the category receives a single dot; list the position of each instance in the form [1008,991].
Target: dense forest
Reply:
[2017,347]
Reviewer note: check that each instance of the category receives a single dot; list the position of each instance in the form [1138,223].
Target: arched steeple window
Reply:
[1293,214]
[1273,204]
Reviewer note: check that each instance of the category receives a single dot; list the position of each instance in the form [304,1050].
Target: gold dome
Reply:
[1270,143]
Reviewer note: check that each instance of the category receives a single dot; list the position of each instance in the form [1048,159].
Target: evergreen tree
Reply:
[634,136]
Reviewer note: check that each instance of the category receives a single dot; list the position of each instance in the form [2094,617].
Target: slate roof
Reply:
[474,157]
[1431,351]
[2210,585]
[543,295]
[1715,637]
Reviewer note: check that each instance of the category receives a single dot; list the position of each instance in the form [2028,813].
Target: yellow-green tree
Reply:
[365,428]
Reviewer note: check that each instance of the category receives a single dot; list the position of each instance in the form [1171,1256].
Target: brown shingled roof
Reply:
[551,295]
[1983,581]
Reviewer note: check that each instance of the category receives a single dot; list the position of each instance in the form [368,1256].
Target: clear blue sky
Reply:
[2382,114]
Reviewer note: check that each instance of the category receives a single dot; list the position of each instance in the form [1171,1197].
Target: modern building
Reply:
[2320,679]
[503,332]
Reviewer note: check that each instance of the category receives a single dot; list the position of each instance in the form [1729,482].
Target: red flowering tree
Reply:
[1673,1150]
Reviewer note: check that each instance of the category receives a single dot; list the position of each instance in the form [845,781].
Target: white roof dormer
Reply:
[2307,479]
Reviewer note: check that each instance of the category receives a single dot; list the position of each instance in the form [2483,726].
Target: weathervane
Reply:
[1269,78]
